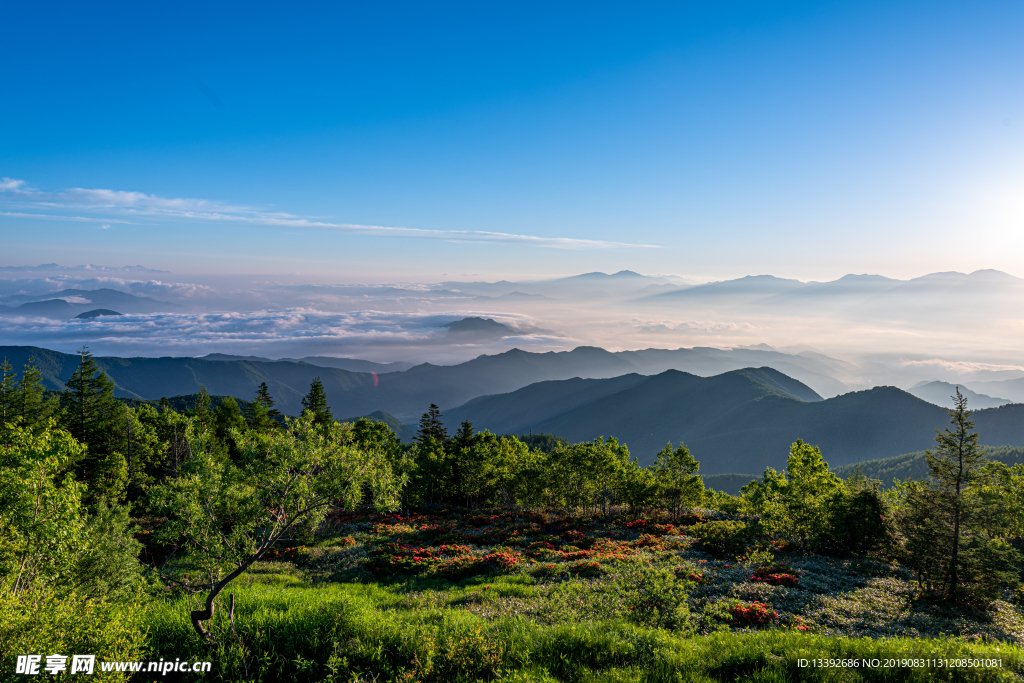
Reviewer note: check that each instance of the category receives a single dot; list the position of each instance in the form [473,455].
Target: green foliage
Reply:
[226,417]
[799,502]
[719,500]
[431,426]
[41,520]
[42,621]
[676,474]
[315,403]
[862,518]
[722,537]
[944,520]
[89,412]
[542,442]
[107,567]
[221,516]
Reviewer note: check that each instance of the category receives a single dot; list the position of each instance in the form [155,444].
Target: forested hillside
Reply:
[915,465]
[353,390]
[739,421]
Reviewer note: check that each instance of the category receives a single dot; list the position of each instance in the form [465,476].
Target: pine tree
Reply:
[7,397]
[431,426]
[954,466]
[88,403]
[202,409]
[263,397]
[93,416]
[31,409]
[315,403]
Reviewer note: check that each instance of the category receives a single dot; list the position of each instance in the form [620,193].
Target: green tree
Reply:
[676,474]
[263,397]
[7,394]
[800,502]
[226,417]
[640,490]
[202,409]
[944,520]
[41,519]
[315,403]
[93,416]
[431,426]
[862,520]
[221,517]
[31,409]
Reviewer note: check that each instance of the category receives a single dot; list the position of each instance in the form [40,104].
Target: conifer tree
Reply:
[7,394]
[263,397]
[202,410]
[944,520]
[315,403]
[431,426]
[31,409]
[88,403]
[90,413]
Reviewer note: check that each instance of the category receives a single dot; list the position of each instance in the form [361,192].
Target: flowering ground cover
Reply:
[533,597]
[692,575]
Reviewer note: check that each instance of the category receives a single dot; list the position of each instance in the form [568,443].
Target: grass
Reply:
[657,608]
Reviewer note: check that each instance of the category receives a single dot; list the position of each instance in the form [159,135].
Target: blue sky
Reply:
[383,142]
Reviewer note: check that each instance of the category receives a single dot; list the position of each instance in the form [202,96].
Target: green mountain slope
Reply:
[740,421]
[915,466]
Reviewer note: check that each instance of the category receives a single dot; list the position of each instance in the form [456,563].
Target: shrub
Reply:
[722,537]
[41,622]
[585,568]
[776,575]
[753,614]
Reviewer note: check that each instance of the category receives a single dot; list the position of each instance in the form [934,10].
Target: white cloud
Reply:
[105,226]
[140,205]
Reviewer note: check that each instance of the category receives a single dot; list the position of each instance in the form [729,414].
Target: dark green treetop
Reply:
[315,403]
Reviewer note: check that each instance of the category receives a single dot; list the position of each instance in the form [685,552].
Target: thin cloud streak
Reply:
[17,193]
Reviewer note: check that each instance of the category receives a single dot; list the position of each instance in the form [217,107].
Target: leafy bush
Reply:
[721,537]
[776,575]
[38,621]
[753,614]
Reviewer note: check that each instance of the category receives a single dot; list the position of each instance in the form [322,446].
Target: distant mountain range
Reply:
[350,364]
[734,419]
[739,421]
[941,393]
[864,289]
[352,390]
[69,303]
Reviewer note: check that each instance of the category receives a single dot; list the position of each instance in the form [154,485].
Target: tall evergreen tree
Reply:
[263,397]
[945,518]
[94,417]
[431,426]
[32,410]
[315,403]
[88,404]
[954,466]
[7,393]
[202,410]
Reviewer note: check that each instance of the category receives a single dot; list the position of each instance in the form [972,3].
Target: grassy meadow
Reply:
[458,596]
